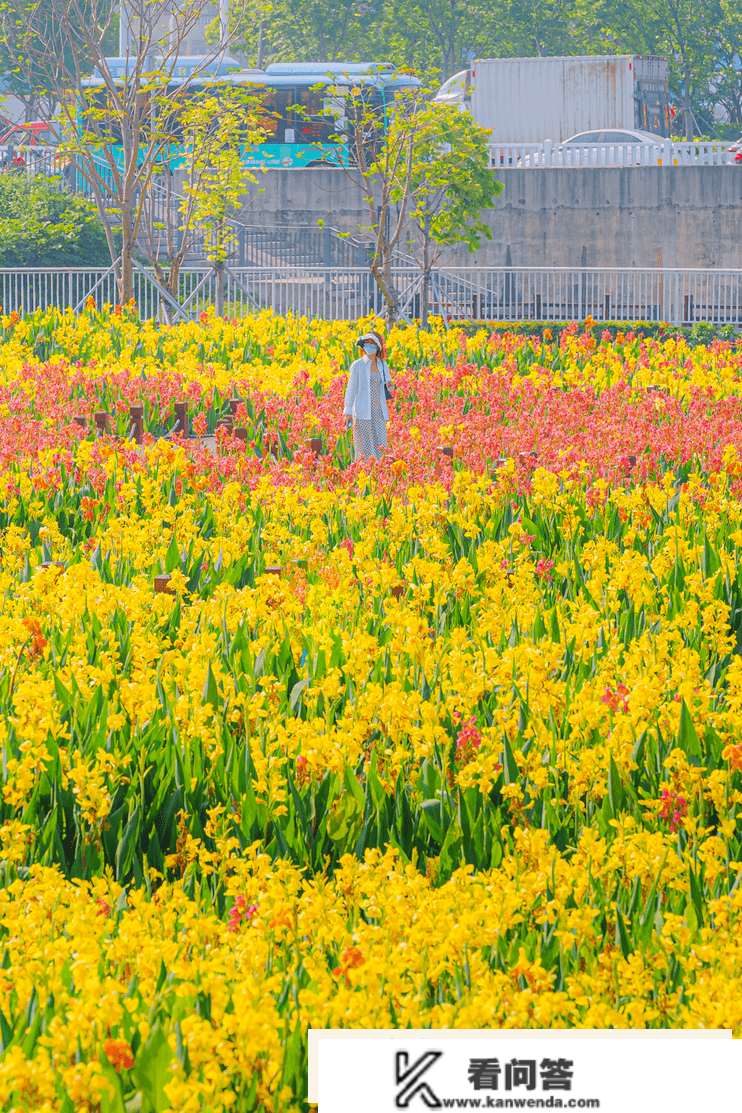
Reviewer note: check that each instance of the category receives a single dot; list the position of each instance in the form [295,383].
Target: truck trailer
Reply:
[527,100]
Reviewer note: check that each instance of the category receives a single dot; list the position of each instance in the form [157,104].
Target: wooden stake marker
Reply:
[101,422]
[273,569]
[314,444]
[181,416]
[81,421]
[271,447]
[136,420]
[445,450]
[399,589]
[162,586]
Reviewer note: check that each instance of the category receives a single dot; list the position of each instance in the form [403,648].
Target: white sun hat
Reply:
[368,336]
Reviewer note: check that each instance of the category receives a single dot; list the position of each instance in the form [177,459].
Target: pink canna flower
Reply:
[544,567]
[468,741]
[239,912]
[673,808]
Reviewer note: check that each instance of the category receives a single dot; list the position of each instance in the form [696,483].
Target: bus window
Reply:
[333,106]
[312,124]
[272,118]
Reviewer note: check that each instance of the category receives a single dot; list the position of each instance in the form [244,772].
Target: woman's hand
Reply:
[348,422]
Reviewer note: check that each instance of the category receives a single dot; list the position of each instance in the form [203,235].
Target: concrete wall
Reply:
[299,198]
[683,216]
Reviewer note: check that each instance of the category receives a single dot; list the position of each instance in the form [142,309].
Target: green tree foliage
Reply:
[682,30]
[201,183]
[41,226]
[435,36]
[451,183]
[527,28]
[308,30]
[427,166]
[24,72]
[725,85]
[216,133]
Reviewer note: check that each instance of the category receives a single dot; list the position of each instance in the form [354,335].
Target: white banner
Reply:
[627,1072]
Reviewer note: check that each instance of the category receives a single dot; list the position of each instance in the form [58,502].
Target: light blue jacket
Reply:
[358,390]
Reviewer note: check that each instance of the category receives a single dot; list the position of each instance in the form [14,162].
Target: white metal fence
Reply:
[552,154]
[48,160]
[32,160]
[679,297]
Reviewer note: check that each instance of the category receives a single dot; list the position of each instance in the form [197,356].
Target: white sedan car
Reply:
[613,138]
[588,147]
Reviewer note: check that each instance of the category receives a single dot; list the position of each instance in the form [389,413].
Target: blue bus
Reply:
[304,103]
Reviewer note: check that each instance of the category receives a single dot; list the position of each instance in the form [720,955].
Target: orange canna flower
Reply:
[37,639]
[88,508]
[351,959]
[119,1054]
[733,754]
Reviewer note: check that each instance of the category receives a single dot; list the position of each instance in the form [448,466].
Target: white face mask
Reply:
[370,349]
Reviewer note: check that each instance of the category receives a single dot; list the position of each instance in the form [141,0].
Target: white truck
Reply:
[528,100]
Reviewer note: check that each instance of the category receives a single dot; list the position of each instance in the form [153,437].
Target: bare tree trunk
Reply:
[126,280]
[381,267]
[382,273]
[219,292]
[173,279]
[425,287]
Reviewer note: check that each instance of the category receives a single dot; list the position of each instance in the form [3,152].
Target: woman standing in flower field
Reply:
[365,397]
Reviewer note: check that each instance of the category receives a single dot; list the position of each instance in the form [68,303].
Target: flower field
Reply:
[443,741]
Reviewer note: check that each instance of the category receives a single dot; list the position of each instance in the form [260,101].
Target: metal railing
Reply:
[559,294]
[268,246]
[32,160]
[550,154]
[679,297]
